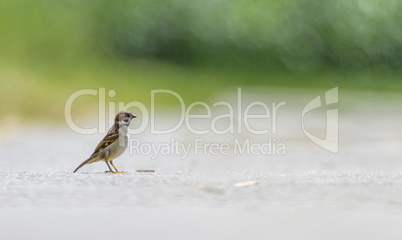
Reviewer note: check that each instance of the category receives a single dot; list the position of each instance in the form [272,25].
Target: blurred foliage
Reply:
[303,34]
[49,49]
[296,35]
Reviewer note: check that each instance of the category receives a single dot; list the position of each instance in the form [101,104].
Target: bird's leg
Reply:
[111,171]
[117,171]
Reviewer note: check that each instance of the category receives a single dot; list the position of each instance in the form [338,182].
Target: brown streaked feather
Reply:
[110,137]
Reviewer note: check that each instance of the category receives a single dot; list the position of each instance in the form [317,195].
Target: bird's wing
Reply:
[111,137]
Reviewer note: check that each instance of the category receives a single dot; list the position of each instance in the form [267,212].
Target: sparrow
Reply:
[113,144]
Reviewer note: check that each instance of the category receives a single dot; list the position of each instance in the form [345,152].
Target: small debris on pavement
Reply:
[246,184]
[213,190]
[151,171]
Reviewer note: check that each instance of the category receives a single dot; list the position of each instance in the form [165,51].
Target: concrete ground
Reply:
[306,193]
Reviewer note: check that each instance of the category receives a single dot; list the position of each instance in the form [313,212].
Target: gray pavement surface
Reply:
[308,193]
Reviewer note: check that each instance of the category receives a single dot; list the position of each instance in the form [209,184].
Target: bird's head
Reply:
[124,118]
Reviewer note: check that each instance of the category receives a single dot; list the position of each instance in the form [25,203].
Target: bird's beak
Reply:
[133,116]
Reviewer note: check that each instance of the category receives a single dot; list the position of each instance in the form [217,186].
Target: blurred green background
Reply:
[50,49]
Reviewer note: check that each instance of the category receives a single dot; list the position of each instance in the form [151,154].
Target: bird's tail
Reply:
[82,164]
